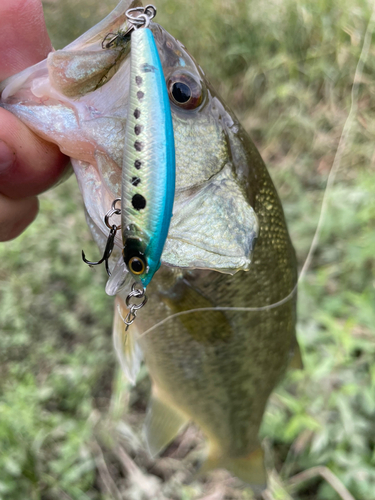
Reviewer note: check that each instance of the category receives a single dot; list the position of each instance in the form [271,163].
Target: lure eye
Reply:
[185,91]
[137,266]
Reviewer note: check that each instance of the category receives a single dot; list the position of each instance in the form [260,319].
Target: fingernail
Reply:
[7,157]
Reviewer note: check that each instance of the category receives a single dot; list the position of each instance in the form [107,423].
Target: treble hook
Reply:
[110,240]
[107,251]
[116,39]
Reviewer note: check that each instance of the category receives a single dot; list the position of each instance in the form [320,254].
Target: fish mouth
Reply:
[84,110]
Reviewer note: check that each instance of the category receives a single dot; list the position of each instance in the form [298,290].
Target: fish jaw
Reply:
[58,100]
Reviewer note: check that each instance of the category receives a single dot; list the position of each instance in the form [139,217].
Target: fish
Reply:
[218,332]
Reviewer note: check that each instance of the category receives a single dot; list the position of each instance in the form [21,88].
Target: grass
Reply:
[69,425]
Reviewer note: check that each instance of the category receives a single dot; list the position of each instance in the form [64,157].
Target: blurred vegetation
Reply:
[67,415]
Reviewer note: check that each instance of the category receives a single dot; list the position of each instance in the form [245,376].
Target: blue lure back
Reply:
[148,175]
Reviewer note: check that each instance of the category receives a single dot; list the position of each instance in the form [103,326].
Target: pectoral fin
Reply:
[205,326]
[163,423]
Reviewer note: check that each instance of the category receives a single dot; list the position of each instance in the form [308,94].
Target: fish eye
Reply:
[137,266]
[181,92]
[185,91]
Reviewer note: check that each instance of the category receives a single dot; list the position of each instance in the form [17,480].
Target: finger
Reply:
[24,40]
[30,165]
[15,216]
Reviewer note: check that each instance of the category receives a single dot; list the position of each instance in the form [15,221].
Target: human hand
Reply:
[28,165]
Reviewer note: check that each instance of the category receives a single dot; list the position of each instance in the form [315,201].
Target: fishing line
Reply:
[336,165]
[344,139]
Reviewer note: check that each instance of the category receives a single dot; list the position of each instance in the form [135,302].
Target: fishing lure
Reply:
[148,172]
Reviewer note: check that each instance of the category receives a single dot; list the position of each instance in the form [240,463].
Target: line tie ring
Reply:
[143,19]
[134,308]
[112,211]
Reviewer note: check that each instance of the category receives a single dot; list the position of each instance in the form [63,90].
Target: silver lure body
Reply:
[148,174]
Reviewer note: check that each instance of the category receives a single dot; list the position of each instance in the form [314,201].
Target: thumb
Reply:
[24,40]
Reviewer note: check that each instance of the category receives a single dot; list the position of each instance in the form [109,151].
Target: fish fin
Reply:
[206,326]
[249,469]
[126,345]
[296,361]
[163,423]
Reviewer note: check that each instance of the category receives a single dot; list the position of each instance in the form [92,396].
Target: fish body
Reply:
[227,247]
[148,172]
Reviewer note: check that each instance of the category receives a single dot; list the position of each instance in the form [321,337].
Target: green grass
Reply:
[286,68]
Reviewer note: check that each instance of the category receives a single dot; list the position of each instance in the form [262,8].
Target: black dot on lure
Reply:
[137,113]
[138,129]
[140,95]
[181,92]
[136,181]
[137,164]
[139,202]
[138,80]
[138,145]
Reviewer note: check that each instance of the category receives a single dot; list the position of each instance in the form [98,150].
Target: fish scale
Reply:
[148,176]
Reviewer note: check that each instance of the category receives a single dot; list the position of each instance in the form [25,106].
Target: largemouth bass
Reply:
[227,247]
